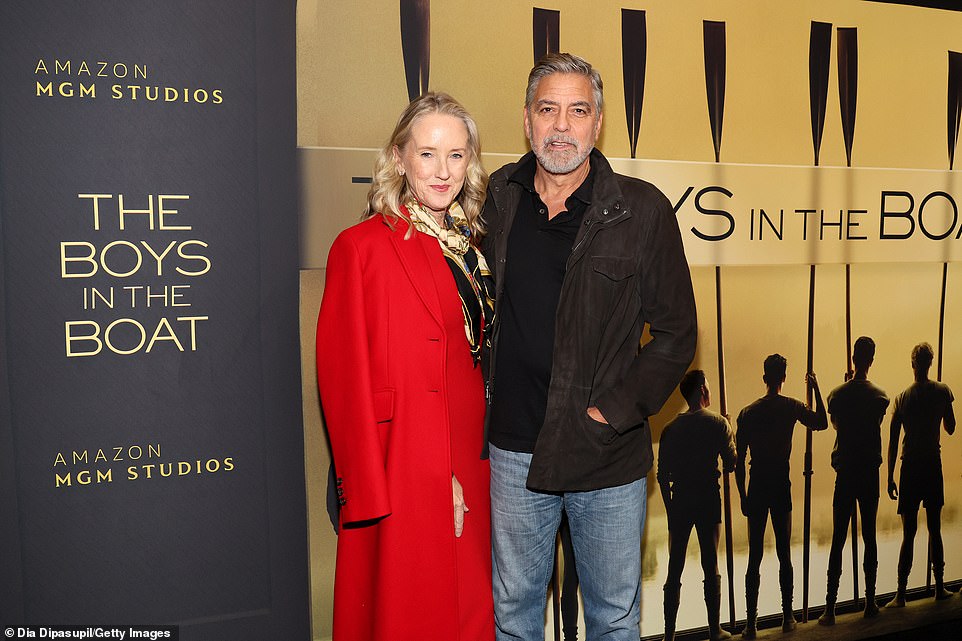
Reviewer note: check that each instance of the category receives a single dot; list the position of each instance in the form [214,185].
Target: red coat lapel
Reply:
[417,264]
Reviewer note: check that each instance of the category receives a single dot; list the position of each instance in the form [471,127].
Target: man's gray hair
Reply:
[564,63]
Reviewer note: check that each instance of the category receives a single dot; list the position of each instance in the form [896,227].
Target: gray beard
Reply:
[558,163]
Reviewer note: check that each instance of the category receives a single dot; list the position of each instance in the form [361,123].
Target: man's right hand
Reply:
[893,490]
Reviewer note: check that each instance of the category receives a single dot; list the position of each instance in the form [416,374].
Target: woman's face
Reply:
[435,160]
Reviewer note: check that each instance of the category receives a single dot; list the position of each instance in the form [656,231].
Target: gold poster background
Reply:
[351,88]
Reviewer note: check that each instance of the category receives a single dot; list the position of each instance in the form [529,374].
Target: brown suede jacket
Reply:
[627,270]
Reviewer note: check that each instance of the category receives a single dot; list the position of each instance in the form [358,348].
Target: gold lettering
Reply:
[158,258]
[127,321]
[96,206]
[149,212]
[64,259]
[170,336]
[118,243]
[198,257]
[70,337]
[161,212]
[193,329]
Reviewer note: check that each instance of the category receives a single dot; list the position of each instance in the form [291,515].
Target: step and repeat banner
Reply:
[784,134]
[152,458]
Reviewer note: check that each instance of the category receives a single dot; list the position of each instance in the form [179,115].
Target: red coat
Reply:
[404,408]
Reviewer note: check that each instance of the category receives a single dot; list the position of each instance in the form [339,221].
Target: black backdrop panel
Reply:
[140,301]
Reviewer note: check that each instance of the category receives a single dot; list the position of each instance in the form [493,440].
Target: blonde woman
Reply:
[399,336]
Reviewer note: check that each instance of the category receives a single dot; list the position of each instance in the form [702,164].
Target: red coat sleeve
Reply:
[345,384]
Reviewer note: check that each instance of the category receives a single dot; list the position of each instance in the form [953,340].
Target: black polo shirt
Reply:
[538,251]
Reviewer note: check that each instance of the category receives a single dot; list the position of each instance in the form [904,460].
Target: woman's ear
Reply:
[397,160]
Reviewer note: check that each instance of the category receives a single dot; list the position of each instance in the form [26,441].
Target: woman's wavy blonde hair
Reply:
[389,189]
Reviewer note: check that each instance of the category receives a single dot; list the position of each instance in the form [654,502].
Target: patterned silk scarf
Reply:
[471,274]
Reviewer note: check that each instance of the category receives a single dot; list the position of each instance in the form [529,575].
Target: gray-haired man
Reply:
[583,259]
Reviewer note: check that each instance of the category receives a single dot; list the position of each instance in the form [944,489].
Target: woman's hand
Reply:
[460,509]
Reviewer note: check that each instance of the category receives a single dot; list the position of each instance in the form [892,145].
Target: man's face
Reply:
[562,122]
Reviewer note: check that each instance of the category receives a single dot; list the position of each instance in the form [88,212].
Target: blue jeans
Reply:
[606,529]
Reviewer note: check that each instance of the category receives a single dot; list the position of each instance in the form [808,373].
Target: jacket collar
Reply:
[607,201]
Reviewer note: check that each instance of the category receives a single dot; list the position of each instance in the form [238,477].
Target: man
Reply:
[921,409]
[688,477]
[857,408]
[765,429]
[583,259]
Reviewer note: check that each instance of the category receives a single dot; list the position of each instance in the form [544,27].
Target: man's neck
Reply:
[555,189]
[860,374]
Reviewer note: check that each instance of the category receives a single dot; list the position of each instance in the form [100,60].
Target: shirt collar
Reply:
[524,176]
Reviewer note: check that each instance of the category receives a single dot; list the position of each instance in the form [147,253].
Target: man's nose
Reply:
[561,122]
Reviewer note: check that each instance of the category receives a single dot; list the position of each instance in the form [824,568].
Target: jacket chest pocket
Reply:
[610,283]
[613,268]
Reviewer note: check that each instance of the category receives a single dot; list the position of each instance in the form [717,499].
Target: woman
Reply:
[398,341]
